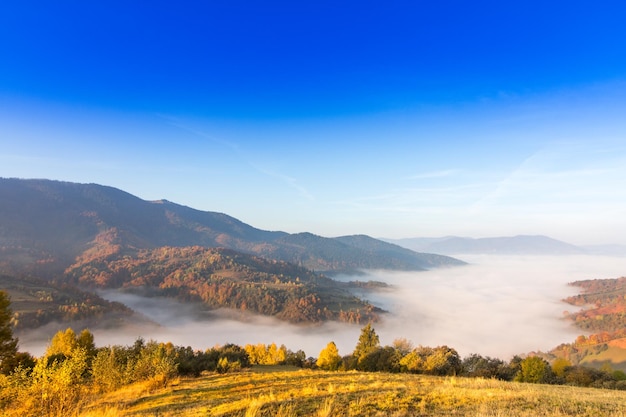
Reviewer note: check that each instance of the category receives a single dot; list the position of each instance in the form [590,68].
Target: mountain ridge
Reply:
[61,220]
[504,245]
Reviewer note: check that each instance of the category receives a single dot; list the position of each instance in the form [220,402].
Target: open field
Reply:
[280,392]
[614,355]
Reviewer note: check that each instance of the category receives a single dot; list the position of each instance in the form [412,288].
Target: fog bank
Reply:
[497,306]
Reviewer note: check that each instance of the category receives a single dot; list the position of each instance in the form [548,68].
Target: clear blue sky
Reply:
[393,119]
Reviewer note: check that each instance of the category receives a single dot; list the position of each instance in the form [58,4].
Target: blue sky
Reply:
[395,119]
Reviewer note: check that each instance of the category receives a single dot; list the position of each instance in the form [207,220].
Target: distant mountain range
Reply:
[514,245]
[49,223]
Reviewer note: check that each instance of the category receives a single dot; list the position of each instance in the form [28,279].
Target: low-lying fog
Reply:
[497,306]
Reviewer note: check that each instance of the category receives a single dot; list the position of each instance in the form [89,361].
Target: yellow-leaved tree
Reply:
[329,358]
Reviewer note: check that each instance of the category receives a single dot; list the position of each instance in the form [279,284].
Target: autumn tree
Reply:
[8,343]
[380,359]
[62,343]
[534,369]
[559,366]
[478,366]
[65,342]
[59,377]
[443,361]
[85,340]
[329,358]
[402,346]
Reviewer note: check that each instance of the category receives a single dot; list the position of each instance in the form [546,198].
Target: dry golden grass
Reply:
[324,394]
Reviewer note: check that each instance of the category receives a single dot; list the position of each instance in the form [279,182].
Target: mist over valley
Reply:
[202,279]
[495,305]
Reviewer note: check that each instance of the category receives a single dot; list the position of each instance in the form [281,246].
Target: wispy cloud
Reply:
[291,182]
[418,199]
[561,176]
[434,174]
[175,122]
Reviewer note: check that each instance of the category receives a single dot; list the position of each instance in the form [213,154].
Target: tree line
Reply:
[73,367]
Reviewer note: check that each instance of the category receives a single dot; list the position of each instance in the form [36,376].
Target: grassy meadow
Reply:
[283,391]
[614,355]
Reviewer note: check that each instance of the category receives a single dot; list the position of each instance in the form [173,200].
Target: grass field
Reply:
[286,392]
[614,356]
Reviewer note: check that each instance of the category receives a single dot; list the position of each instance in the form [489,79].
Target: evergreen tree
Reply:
[8,344]
[368,341]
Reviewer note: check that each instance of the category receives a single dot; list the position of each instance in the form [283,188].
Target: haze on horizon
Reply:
[393,120]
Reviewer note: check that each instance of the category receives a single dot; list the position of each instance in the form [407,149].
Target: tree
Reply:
[58,385]
[415,361]
[559,365]
[8,343]
[368,341]
[403,346]
[329,358]
[476,365]
[443,361]
[62,343]
[86,341]
[385,359]
[534,369]
[111,368]
[296,358]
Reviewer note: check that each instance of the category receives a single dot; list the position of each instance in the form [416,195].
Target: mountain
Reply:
[515,245]
[91,237]
[51,222]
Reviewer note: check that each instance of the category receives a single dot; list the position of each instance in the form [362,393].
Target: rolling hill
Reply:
[91,236]
[54,222]
[285,393]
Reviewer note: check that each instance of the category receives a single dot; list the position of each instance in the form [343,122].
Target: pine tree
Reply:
[8,344]
[368,341]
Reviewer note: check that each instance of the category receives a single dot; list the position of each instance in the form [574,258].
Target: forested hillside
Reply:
[36,303]
[602,316]
[221,277]
[92,236]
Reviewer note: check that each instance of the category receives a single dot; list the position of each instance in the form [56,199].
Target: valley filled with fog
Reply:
[496,305]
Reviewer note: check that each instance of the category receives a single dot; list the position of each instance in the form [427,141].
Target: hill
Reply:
[602,316]
[36,303]
[514,245]
[317,393]
[53,222]
[219,277]
[93,236]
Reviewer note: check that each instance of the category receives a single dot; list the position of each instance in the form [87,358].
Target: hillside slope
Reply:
[219,277]
[54,222]
[317,393]
[601,314]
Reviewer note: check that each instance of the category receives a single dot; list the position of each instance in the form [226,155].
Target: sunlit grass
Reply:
[323,394]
